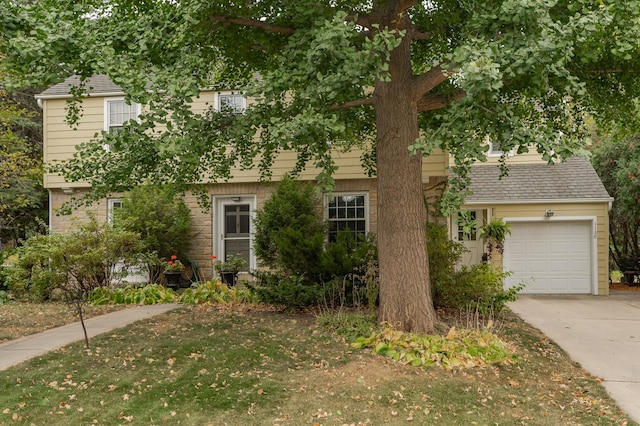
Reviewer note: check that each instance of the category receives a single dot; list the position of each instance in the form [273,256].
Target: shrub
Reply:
[146,295]
[477,287]
[74,263]
[289,290]
[34,275]
[162,220]
[290,231]
[305,269]
[216,292]
[444,254]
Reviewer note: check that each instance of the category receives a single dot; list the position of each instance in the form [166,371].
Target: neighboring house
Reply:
[558,214]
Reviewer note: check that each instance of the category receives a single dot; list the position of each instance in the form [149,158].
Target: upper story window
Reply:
[117,112]
[496,150]
[347,212]
[233,101]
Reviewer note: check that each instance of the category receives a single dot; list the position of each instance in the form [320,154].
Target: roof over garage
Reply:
[571,181]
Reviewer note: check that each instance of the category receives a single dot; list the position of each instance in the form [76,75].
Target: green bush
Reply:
[147,295]
[290,230]
[291,240]
[75,263]
[34,275]
[291,291]
[216,292]
[477,287]
[162,220]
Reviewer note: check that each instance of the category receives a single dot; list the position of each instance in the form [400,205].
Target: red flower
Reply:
[169,263]
[174,257]
[213,256]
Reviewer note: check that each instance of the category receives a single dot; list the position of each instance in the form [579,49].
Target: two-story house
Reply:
[558,213]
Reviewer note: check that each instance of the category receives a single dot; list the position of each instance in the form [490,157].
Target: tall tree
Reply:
[616,158]
[396,78]
[23,200]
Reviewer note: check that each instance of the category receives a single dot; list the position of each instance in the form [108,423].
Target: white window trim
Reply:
[217,95]
[493,153]
[111,202]
[367,219]
[117,99]
[106,127]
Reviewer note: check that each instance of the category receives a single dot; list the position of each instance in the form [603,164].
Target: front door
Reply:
[466,229]
[234,228]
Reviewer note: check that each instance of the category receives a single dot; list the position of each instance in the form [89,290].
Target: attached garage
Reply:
[551,256]
[559,218]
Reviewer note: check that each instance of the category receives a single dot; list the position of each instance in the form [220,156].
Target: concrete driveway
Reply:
[601,333]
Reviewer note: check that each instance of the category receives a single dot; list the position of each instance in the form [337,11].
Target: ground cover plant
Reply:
[220,365]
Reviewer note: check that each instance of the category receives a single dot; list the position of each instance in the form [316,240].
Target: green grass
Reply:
[201,365]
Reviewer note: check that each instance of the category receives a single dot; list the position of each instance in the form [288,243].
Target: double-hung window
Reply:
[347,213]
[231,101]
[113,204]
[116,113]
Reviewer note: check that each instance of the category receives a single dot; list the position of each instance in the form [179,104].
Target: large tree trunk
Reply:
[405,295]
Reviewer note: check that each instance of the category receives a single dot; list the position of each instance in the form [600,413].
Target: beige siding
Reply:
[203,220]
[60,141]
[537,210]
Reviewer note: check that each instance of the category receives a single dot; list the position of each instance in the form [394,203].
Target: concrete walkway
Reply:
[601,333]
[17,351]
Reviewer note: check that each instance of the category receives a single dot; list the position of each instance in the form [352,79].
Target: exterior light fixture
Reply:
[548,213]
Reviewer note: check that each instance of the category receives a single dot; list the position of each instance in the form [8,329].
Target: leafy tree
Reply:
[23,200]
[616,158]
[392,77]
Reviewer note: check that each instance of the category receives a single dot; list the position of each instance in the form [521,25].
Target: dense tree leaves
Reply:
[616,158]
[392,77]
[23,206]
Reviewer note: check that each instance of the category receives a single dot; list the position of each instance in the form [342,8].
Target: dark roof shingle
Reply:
[574,179]
[96,84]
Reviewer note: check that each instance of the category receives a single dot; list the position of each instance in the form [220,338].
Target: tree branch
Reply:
[405,5]
[254,23]
[362,20]
[430,79]
[351,104]
[419,35]
[432,102]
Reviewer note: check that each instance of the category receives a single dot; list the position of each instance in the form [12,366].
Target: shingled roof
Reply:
[97,84]
[573,180]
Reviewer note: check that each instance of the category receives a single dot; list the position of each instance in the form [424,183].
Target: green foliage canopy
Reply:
[616,158]
[520,72]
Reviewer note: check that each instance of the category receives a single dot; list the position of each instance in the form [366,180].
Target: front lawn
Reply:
[19,319]
[202,365]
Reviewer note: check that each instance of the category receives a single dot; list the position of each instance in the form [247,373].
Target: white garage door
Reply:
[551,257]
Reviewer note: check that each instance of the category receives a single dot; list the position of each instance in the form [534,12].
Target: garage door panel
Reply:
[558,265]
[576,247]
[538,248]
[558,247]
[551,257]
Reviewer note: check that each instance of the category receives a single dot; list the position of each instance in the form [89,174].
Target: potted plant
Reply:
[173,270]
[495,233]
[228,270]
